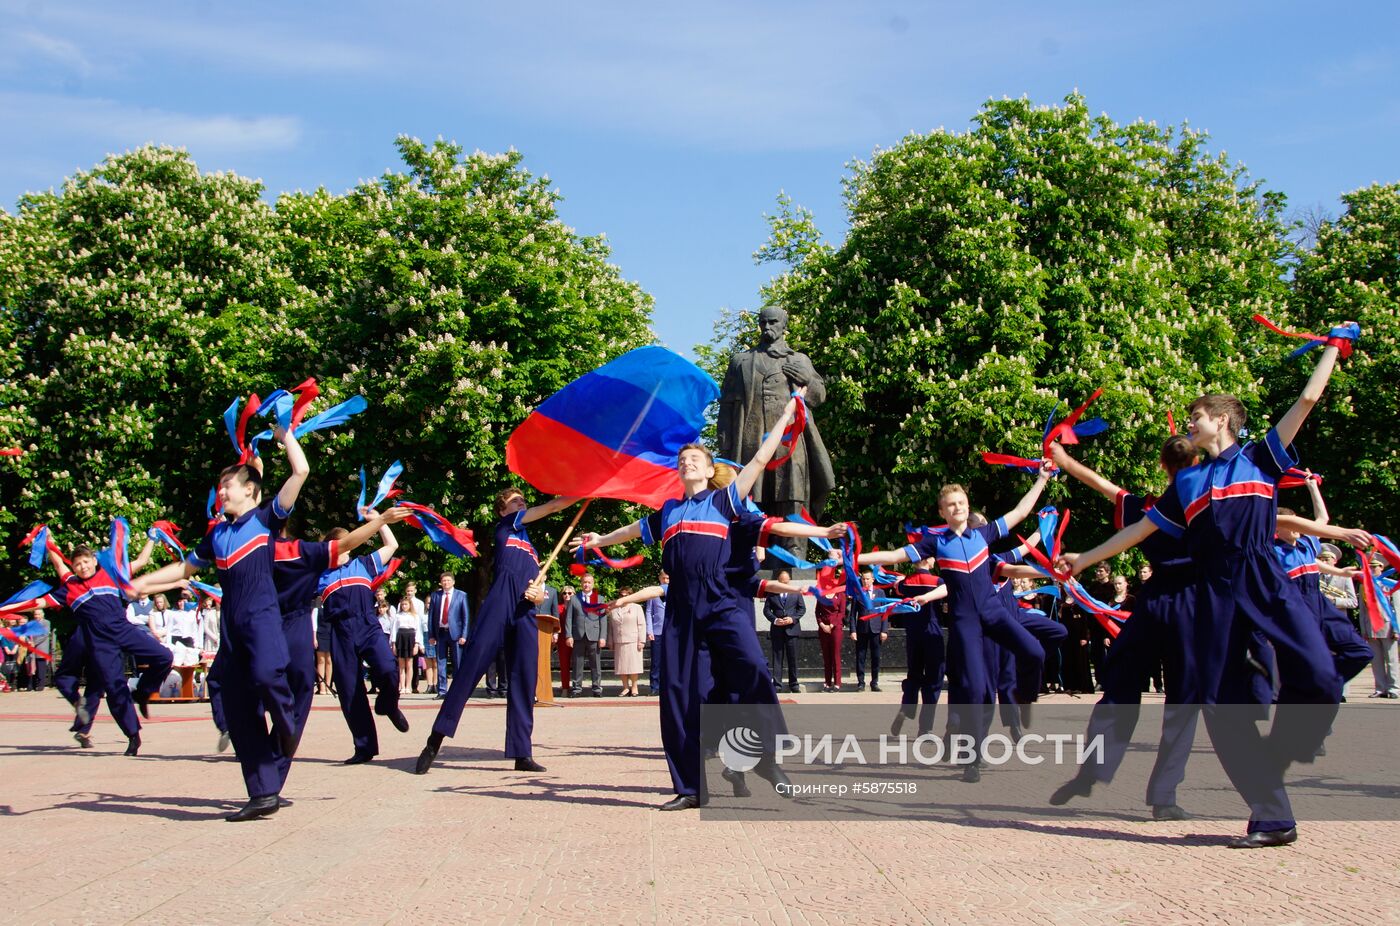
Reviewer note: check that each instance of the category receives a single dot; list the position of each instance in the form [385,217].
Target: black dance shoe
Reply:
[681,802]
[1169,812]
[1076,787]
[359,758]
[83,739]
[528,764]
[133,744]
[429,753]
[1265,838]
[737,782]
[256,807]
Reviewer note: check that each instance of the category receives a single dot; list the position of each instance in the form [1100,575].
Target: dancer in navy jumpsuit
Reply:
[964,563]
[102,636]
[1226,511]
[255,686]
[506,616]
[704,604]
[347,614]
[1297,546]
[1160,627]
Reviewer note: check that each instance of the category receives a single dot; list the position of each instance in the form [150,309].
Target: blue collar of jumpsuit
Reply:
[1228,454]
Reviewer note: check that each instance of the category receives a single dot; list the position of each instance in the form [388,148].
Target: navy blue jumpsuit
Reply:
[1226,511]
[347,614]
[253,650]
[506,617]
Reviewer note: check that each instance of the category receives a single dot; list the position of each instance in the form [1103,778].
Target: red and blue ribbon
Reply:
[1071,429]
[390,568]
[1343,337]
[31,596]
[332,417]
[167,534]
[213,591]
[115,559]
[583,559]
[386,488]
[41,543]
[236,423]
[443,533]
[31,629]
[870,606]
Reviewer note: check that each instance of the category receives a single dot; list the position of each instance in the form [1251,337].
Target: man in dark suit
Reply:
[869,635]
[784,613]
[586,625]
[447,616]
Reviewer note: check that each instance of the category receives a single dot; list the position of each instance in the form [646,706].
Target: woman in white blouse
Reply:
[408,641]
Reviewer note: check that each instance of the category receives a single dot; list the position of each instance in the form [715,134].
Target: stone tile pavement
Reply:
[90,836]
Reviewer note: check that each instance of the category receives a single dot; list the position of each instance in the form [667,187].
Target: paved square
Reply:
[94,837]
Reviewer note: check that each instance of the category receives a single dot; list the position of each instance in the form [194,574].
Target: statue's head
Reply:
[772,324]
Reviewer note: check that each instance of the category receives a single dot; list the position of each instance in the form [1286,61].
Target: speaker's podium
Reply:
[544,683]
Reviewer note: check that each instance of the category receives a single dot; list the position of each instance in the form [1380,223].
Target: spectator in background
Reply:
[9,657]
[406,642]
[587,628]
[565,643]
[1341,592]
[36,670]
[831,619]
[627,628]
[183,636]
[784,613]
[139,611]
[387,625]
[656,626]
[869,635]
[158,620]
[449,618]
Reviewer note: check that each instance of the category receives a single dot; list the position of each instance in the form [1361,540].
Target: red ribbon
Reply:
[249,409]
[1343,345]
[9,634]
[1296,477]
[791,434]
[1003,459]
[11,452]
[306,393]
[1064,431]
[1171,422]
[1368,594]
[389,569]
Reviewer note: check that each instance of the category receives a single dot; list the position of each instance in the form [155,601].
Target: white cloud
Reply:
[46,120]
[60,50]
[234,37]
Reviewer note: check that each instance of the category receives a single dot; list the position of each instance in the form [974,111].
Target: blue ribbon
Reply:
[386,483]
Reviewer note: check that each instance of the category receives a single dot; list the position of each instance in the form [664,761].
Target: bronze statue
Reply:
[757,386]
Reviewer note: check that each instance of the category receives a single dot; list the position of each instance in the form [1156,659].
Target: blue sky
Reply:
[670,127]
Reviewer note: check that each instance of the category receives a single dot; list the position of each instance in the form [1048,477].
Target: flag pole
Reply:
[568,532]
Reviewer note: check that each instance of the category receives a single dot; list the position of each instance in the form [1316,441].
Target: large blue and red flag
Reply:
[615,432]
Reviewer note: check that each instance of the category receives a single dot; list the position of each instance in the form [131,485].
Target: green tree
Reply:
[1353,274]
[138,299]
[455,300]
[143,296]
[990,273]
